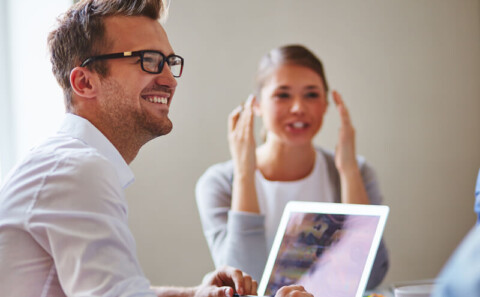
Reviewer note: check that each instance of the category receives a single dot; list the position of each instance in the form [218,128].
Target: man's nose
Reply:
[166,78]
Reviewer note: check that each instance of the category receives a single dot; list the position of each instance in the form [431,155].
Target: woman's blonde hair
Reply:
[289,54]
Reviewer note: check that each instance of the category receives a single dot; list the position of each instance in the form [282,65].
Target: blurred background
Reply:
[408,70]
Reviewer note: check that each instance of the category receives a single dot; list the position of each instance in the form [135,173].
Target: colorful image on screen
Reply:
[325,253]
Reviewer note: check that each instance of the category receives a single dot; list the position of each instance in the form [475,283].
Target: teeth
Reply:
[298,125]
[162,100]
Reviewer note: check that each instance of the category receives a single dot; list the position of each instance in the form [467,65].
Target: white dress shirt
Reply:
[63,220]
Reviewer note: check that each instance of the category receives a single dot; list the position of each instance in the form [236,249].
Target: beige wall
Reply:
[410,73]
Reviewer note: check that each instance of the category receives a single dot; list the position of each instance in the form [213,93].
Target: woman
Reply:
[241,201]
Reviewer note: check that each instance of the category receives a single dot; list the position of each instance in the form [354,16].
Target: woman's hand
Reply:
[241,141]
[345,157]
[352,187]
[226,281]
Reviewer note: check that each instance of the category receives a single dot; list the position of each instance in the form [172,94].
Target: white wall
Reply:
[33,99]
[410,74]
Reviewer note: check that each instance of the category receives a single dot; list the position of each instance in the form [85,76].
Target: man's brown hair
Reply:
[80,34]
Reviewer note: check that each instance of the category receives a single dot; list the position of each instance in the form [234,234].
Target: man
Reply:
[63,214]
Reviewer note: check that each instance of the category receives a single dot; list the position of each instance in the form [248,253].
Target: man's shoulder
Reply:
[61,156]
[67,150]
[57,171]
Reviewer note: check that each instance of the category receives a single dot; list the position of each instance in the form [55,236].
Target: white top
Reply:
[63,220]
[274,195]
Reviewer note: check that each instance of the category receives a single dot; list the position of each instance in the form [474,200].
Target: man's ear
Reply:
[83,82]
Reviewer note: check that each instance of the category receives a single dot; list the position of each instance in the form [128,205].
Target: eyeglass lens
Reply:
[152,61]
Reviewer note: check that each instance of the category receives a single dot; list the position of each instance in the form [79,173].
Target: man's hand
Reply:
[226,281]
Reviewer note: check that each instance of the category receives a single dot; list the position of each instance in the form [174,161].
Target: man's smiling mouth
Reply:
[156,99]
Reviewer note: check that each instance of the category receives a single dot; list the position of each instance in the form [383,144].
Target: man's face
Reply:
[132,102]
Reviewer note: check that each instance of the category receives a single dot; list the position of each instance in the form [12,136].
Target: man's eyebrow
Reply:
[172,52]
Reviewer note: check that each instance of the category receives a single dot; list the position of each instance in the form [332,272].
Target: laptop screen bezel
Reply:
[381,211]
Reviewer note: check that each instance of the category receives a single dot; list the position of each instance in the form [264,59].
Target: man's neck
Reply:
[121,139]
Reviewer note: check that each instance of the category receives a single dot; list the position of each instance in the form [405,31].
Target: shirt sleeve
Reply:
[381,263]
[79,216]
[461,274]
[234,238]
[477,199]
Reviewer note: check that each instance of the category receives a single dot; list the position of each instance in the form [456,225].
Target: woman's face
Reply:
[292,104]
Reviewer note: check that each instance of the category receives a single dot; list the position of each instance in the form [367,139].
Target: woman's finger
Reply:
[250,101]
[342,109]
[241,114]
[233,118]
[244,125]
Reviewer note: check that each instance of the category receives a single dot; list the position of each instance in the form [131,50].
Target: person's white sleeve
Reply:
[80,218]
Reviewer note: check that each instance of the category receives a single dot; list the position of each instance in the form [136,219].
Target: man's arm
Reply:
[174,291]
[193,291]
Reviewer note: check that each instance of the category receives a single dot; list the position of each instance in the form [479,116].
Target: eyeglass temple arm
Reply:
[103,57]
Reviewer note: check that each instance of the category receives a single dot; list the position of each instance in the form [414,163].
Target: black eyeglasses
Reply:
[151,61]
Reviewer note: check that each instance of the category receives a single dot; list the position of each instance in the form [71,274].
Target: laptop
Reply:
[329,248]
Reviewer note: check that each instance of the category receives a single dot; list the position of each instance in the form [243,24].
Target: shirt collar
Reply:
[81,129]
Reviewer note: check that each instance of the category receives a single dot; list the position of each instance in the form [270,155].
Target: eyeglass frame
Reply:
[136,54]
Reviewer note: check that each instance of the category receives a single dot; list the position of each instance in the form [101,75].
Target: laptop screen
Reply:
[328,248]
